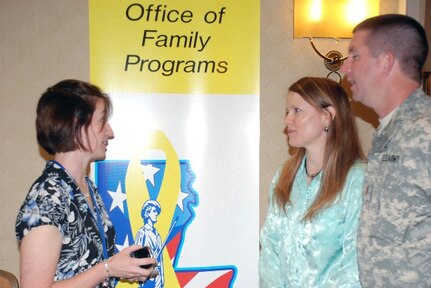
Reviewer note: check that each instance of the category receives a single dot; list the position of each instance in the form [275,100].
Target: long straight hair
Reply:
[341,150]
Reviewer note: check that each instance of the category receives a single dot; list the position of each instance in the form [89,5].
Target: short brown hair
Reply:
[401,35]
[63,110]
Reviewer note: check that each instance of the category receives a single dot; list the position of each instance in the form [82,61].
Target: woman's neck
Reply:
[74,163]
[314,162]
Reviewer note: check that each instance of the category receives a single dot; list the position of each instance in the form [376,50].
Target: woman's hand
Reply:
[123,265]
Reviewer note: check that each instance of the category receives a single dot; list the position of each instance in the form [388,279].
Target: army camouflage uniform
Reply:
[394,244]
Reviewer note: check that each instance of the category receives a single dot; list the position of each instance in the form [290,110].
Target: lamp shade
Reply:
[330,18]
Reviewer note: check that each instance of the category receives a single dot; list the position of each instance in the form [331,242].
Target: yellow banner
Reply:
[173,70]
[175,46]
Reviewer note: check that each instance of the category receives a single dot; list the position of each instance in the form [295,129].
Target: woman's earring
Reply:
[326,130]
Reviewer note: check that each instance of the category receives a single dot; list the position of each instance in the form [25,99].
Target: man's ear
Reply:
[388,61]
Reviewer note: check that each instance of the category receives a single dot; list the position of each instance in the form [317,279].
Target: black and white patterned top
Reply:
[55,199]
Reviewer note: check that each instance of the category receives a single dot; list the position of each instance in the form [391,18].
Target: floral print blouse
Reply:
[55,199]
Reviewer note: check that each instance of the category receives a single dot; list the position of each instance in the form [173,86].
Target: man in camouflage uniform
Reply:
[384,68]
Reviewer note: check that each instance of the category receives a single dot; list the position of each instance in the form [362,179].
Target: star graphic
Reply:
[181,198]
[149,171]
[117,198]
[125,244]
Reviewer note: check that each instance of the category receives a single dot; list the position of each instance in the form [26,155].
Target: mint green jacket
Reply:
[316,253]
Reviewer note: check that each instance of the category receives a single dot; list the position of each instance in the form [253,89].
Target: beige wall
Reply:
[41,42]
[44,41]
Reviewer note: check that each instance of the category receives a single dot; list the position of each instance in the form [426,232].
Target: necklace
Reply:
[313,175]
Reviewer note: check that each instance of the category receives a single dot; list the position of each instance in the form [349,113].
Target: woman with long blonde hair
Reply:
[309,236]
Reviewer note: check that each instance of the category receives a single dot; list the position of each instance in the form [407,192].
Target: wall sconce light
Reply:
[330,19]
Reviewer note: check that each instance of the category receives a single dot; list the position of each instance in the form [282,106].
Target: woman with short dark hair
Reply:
[63,228]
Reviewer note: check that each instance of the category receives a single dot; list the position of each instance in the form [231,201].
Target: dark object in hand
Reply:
[144,252]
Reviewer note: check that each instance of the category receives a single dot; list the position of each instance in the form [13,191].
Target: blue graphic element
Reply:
[110,179]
